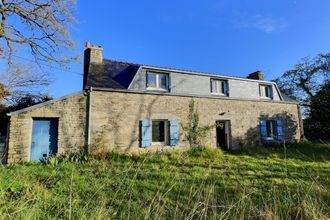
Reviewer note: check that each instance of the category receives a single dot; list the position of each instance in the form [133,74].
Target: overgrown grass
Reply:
[201,183]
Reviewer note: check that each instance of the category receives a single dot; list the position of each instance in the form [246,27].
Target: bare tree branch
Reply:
[20,81]
[43,28]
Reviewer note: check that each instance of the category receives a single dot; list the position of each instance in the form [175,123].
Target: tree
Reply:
[41,26]
[21,81]
[20,102]
[306,79]
[317,124]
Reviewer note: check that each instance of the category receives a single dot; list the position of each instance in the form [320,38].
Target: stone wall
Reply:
[71,113]
[116,117]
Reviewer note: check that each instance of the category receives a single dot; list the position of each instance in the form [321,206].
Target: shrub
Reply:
[194,132]
[80,157]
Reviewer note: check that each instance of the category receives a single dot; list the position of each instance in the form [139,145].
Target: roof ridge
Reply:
[124,62]
[173,68]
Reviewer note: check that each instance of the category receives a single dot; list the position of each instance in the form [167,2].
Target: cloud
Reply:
[264,23]
[268,24]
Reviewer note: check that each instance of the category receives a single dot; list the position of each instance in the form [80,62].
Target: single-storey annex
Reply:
[133,107]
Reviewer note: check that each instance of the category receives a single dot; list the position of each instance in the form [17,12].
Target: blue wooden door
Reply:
[44,139]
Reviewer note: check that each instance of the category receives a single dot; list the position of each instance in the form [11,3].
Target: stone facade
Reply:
[115,117]
[71,114]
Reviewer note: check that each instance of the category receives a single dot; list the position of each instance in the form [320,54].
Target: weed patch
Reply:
[255,183]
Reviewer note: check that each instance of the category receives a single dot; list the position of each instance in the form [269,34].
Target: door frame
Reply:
[56,119]
[227,124]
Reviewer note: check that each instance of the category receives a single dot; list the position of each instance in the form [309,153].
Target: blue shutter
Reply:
[145,133]
[263,130]
[174,132]
[279,130]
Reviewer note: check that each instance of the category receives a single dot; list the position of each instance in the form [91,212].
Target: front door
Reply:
[222,130]
[44,139]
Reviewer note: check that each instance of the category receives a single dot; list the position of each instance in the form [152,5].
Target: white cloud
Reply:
[266,24]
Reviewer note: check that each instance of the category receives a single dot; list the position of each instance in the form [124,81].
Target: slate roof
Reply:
[118,75]
[111,74]
[287,98]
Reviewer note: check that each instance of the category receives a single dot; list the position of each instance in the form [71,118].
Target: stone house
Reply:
[136,108]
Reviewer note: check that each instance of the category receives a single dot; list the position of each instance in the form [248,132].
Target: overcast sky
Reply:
[219,36]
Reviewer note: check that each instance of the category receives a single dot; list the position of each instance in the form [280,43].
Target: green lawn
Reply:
[200,183]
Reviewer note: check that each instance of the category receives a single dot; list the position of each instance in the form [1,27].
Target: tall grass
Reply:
[202,183]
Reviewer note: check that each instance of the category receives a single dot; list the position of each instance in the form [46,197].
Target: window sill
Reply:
[159,144]
[219,94]
[266,98]
[157,89]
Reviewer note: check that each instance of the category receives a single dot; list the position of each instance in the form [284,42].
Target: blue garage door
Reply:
[44,139]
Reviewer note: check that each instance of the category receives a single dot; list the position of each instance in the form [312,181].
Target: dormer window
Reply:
[219,87]
[266,91]
[157,81]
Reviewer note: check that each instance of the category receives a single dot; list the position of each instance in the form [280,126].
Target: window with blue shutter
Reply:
[145,133]
[174,132]
[263,130]
[279,130]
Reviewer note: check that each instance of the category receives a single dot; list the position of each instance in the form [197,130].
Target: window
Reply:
[219,86]
[271,129]
[164,132]
[266,91]
[159,132]
[158,81]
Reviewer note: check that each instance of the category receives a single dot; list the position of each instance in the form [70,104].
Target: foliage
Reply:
[306,79]
[196,184]
[194,131]
[73,157]
[317,124]
[19,103]
[41,26]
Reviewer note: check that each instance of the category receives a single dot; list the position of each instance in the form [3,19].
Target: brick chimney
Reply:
[258,75]
[92,54]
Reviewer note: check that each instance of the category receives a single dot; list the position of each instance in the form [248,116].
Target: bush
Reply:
[80,157]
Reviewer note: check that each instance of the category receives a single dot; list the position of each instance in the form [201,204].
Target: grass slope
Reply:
[201,183]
